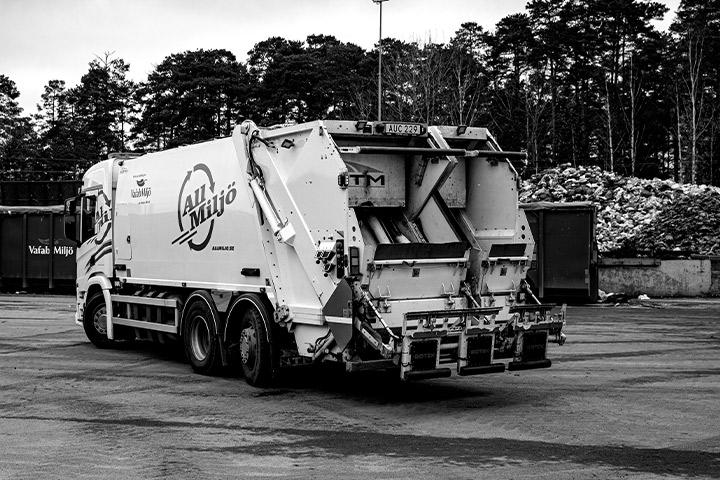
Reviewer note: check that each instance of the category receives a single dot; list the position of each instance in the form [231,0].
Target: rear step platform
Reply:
[482,369]
[425,374]
[516,366]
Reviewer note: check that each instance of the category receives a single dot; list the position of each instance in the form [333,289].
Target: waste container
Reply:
[37,192]
[34,253]
[564,267]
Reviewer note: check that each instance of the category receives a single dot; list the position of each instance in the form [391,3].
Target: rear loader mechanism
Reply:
[424,266]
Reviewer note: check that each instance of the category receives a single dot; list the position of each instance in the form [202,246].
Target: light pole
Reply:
[380,2]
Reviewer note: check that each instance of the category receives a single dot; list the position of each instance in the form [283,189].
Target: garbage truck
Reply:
[375,245]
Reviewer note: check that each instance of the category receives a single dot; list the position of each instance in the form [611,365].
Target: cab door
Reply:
[94,225]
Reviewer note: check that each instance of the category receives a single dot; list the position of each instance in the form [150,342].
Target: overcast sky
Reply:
[42,40]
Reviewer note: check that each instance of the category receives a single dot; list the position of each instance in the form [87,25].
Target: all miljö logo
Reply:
[199,204]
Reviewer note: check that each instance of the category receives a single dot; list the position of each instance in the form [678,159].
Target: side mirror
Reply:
[70,219]
[71,206]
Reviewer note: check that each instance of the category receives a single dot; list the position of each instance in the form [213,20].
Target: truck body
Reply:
[375,245]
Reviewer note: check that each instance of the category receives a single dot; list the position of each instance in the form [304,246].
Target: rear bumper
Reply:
[435,340]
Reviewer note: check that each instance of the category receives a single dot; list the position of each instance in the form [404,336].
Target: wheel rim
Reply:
[200,338]
[248,346]
[100,321]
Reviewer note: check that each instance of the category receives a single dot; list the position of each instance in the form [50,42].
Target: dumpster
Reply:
[564,267]
[37,192]
[34,253]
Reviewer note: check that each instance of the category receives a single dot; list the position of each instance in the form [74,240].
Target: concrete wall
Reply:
[715,277]
[661,278]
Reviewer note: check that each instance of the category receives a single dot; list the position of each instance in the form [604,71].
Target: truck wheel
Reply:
[201,342]
[255,348]
[95,321]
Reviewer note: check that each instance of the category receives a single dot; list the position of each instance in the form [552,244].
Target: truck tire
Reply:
[256,356]
[95,321]
[202,346]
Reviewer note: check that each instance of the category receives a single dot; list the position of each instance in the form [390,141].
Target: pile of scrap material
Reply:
[636,216]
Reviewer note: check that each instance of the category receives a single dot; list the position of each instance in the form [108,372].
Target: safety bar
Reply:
[536,306]
[425,321]
[435,152]
[459,313]
[414,261]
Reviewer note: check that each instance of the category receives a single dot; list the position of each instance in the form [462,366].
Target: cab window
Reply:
[87,218]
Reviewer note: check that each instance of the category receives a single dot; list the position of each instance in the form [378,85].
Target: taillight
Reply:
[354,260]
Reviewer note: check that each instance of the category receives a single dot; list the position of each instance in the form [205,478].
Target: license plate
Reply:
[423,355]
[534,345]
[479,351]
[412,129]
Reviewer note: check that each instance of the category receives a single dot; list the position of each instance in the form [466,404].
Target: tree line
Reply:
[585,82]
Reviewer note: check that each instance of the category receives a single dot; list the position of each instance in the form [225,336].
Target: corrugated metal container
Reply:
[564,267]
[33,250]
[37,192]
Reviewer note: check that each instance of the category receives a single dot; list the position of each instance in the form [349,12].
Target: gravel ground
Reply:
[635,393]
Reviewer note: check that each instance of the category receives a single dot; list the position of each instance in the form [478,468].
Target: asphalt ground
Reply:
[634,393]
